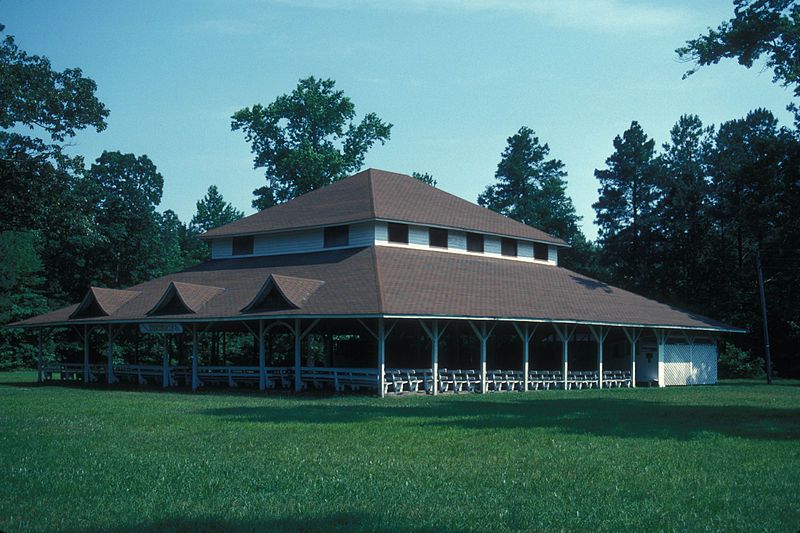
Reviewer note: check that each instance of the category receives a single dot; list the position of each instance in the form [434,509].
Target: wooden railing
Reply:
[397,380]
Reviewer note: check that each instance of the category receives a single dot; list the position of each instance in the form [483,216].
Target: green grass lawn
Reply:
[723,457]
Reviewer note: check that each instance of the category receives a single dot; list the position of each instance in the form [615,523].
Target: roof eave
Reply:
[205,236]
[256,316]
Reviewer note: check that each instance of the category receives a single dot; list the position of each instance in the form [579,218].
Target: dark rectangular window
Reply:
[437,237]
[398,232]
[540,251]
[508,247]
[243,245]
[337,236]
[475,242]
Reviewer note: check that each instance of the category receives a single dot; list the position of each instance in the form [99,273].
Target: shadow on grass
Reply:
[611,413]
[615,417]
[336,522]
[212,390]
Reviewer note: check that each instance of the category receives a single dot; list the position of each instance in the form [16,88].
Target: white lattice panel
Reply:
[677,364]
[704,364]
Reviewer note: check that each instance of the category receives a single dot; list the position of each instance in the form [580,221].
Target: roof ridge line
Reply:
[373,210]
[381,310]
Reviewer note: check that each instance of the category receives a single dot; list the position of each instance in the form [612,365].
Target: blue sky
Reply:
[455,77]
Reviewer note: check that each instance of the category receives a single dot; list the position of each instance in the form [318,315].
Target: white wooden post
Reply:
[195,377]
[40,357]
[525,334]
[661,338]
[565,359]
[599,333]
[298,379]
[85,355]
[262,370]
[434,333]
[633,337]
[381,358]
[165,375]
[525,354]
[564,333]
[435,357]
[483,336]
[110,378]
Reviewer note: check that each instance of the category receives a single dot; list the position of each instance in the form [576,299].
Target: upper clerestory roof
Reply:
[379,195]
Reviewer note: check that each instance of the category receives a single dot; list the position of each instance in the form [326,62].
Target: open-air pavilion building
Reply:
[409,288]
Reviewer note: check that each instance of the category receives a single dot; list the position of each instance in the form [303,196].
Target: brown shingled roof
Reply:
[295,291]
[102,302]
[397,281]
[191,297]
[380,195]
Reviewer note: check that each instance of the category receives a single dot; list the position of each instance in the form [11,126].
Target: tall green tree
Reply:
[213,211]
[531,188]
[682,211]
[756,180]
[40,109]
[625,208]
[34,95]
[125,191]
[768,29]
[307,139]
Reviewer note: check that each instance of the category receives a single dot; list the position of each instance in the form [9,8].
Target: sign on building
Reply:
[161,328]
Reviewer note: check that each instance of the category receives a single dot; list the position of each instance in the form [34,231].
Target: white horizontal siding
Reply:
[525,249]
[552,254]
[367,234]
[491,245]
[221,248]
[456,240]
[381,232]
[418,235]
[289,243]
[362,234]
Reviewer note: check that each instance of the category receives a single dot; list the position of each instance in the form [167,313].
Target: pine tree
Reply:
[531,188]
[625,209]
[683,210]
[213,211]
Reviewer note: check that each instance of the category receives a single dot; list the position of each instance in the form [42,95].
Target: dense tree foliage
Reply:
[125,191]
[625,208]
[213,211]
[684,225]
[768,29]
[21,294]
[531,189]
[307,139]
[63,226]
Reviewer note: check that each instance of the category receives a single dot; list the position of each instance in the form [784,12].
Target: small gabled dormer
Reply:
[183,298]
[100,302]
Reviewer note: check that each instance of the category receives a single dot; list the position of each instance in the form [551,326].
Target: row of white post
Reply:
[481,329]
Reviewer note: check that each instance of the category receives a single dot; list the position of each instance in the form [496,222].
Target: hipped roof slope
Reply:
[397,281]
[377,194]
